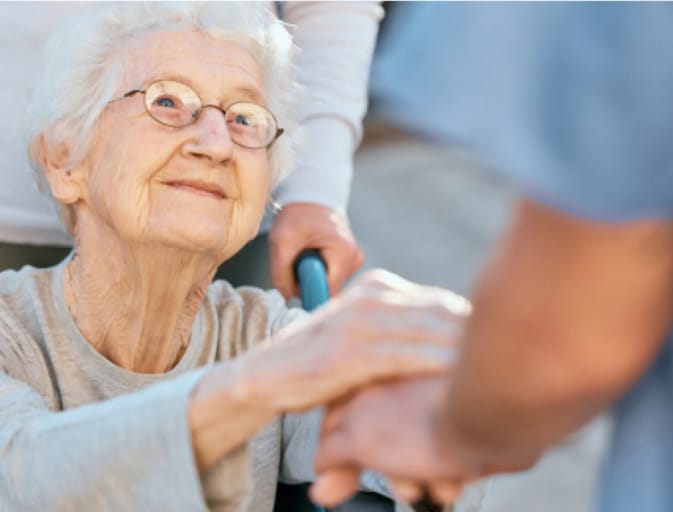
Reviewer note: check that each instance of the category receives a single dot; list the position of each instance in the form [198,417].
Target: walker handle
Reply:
[310,271]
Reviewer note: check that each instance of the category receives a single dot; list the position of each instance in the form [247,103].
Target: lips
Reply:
[198,187]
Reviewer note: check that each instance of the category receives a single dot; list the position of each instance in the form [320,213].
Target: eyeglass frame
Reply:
[197,113]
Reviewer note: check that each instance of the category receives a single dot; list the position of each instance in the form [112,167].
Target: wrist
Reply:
[221,395]
[259,380]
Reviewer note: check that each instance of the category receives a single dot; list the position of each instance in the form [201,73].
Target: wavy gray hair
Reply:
[84,68]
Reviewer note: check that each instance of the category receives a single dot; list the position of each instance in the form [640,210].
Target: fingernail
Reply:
[314,491]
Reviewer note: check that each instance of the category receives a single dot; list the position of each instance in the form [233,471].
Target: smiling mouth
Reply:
[198,187]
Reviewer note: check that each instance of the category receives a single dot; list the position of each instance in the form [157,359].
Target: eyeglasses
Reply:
[176,104]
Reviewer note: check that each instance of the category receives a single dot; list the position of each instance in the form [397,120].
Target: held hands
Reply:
[389,427]
[397,429]
[381,327]
[301,226]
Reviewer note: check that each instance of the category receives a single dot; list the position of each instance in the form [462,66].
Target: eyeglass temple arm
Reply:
[279,132]
[127,95]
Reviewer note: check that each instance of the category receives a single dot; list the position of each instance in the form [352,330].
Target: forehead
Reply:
[213,67]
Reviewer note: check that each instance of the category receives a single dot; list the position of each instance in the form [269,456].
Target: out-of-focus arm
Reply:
[566,316]
[336,42]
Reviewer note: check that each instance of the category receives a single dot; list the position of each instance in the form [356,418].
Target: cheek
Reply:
[254,186]
[119,180]
[255,181]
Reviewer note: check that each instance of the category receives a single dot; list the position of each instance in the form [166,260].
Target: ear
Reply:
[64,181]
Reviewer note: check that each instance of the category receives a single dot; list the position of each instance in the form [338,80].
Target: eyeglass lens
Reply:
[176,104]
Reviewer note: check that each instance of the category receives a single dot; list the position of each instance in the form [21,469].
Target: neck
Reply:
[136,305]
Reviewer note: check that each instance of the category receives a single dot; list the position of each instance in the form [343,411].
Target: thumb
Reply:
[341,263]
[335,485]
[282,255]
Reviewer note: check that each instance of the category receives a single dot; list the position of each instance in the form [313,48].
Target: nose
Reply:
[211,140]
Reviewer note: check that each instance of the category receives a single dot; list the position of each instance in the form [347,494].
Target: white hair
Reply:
[84,68]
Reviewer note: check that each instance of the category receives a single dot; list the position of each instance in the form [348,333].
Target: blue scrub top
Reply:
[574,103]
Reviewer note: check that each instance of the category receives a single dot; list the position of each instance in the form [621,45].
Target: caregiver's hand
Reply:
[381,327]
[300,226]
[388,427]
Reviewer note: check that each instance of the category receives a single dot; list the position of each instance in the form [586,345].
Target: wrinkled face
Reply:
[188,187]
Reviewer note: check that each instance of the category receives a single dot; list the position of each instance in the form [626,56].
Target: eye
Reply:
[241,119]
[165,101]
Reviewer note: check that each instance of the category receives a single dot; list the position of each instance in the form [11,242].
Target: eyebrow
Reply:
[251,93]
[243,92]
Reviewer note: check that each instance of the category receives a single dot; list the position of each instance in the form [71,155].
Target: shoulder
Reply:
[13,280]
[249,315]
[22,290]
[21,320]
[250,302]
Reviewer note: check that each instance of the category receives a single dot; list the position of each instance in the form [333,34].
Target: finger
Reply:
[282,254]
[394,364]
[426,504]
[405,359]
[335,485]
[383,280]
[406,490]
[342,261]
[336,269]
[445,492]
[333,451]
[334,414]
[385,315]
[413,364]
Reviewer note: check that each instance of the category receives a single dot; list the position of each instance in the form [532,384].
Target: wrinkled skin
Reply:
[158,208]
[381,327]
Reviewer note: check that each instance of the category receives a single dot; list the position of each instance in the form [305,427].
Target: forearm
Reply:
[225,393]
[323,168]
[336,42]
[566,317]
[129,453]
[255,388]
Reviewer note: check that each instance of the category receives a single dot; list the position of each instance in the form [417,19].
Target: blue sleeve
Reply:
[573,101]
[590,130]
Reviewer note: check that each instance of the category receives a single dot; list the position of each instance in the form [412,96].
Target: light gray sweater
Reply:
[78,433]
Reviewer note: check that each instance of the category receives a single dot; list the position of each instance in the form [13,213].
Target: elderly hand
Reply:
[301,226]
[382,327]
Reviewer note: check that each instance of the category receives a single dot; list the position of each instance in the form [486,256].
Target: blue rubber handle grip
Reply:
[311,273]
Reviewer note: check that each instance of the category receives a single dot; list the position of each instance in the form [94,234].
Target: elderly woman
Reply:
[128,381]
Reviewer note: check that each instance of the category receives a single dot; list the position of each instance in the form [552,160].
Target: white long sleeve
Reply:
[336,42]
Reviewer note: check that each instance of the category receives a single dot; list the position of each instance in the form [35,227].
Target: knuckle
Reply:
[277,243]
[440,310]
[281,232]
[347,349]
[377,278]
[359,257]
[365,297]
[355,256]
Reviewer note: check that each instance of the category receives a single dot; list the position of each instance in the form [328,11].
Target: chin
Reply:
[193,236]
[201,241]
[200,232]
